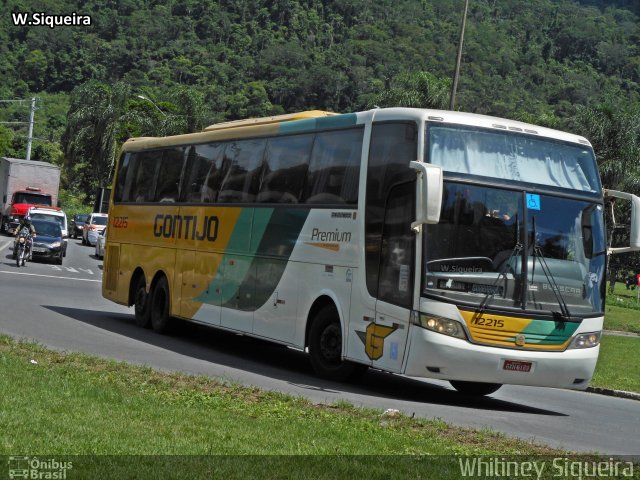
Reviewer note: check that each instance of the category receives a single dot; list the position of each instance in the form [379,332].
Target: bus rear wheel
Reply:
[161,320]
[141,303]
[475,388]
[325,348]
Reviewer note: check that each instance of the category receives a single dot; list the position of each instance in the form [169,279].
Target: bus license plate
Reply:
[517,366]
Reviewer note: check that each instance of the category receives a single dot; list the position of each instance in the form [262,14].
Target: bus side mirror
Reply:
[634,225]
[429,190]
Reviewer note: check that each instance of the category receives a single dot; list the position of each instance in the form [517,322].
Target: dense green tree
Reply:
[614,131]
[417,89]
[204,61]
[96,127]
[6,141]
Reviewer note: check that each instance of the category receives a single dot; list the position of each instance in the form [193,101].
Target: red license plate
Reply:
[517,366]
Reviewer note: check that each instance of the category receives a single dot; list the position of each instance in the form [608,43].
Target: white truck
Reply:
[25,184]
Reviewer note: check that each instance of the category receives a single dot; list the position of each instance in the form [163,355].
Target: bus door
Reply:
[388,338]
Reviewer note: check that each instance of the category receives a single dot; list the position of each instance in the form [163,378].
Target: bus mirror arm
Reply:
[429,189]
[634,231]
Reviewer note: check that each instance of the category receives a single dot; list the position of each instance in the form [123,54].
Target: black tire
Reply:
[20,259]
[141,301]
[160,307]
[59,259]
[476,389]
[325,348]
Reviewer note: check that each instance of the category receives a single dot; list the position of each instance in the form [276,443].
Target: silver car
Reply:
[100,242]
[93,228]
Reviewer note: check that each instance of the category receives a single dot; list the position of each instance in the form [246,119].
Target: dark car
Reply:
[48,242]
[77,225]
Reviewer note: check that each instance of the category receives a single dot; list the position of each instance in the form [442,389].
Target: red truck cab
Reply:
[21,202]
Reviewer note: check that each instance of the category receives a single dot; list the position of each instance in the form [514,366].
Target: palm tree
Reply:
[615,135]
[94,132]
[415,89]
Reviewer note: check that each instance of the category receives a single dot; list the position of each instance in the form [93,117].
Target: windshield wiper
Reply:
[517,248]
[564,315]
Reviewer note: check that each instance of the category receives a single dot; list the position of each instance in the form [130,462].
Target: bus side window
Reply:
[241,182]
[334,169]
[285,168]
[203,173]
[168,185]
[143,180]
[121,179]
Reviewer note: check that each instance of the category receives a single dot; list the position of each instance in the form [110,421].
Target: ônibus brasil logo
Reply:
[38,468]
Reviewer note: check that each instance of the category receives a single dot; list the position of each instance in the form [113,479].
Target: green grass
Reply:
[622,295]
[115,420]
[74,404]
[621,319]
[622,311]
[619,364]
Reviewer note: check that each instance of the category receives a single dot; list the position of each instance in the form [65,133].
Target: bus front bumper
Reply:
[434,355]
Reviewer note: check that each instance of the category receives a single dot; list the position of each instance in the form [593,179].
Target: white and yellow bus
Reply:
[428,243]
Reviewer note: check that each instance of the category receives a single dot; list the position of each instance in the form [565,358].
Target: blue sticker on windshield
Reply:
[533,201]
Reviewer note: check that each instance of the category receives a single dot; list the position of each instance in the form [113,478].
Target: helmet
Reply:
[27,218]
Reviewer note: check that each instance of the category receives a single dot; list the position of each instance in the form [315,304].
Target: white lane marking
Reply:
[71,269]
[2,247]
[50,276]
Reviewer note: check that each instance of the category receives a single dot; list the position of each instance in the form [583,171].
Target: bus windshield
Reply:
[513,157]
[476,253]
[32,198]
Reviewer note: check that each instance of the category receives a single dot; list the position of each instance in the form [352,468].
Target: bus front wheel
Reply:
[141,303]
[325,348]
[161,320]
[475,388]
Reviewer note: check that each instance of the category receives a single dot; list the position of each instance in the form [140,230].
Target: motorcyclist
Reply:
[25,222]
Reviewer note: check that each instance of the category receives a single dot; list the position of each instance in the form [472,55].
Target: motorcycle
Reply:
[22,249]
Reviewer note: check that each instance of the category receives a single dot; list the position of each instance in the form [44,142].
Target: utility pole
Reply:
[30,123]
[452,101]
[30,134]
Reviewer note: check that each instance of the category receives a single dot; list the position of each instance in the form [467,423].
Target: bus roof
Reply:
[266,120]
[313,119]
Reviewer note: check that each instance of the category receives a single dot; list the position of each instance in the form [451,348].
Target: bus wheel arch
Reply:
[324,338]
[160,304]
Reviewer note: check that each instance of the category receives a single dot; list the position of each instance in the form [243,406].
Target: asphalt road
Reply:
[62,307]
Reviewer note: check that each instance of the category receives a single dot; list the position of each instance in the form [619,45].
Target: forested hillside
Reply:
[568,64]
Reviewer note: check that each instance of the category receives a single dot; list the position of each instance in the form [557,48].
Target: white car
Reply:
[53,214]
[100,242]
[96,223]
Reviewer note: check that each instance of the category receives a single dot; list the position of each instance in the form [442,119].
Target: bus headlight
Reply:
[446,326]
[586,340]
